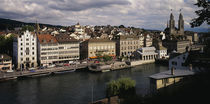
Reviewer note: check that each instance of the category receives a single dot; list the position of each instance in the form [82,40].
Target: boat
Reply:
[65,71]
[39,75]
[99,68]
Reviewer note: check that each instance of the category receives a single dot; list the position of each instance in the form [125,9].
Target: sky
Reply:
[148,14]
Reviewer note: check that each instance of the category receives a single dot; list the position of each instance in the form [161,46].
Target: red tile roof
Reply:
[46,39]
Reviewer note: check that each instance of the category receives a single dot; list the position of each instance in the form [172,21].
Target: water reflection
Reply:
[72,88]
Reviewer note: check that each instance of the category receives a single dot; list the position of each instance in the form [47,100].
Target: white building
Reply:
[146,54]
[25,50]
[177,60]
[147,41]
[162,52]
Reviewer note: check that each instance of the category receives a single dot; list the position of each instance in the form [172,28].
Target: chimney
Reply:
[172,71]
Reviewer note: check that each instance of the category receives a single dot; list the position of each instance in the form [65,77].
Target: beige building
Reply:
[147,41]
[5,62]
[47,50]
[68,48]
[97,47]
[126,44]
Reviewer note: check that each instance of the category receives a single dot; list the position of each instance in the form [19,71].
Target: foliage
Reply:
[203,14]
[6,44]
[107,58]
[28,27]
[121,87]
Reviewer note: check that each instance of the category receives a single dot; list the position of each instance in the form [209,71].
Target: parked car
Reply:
[96,61]
[42,67]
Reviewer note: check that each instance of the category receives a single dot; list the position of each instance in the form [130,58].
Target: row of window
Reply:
[102,47]
[27,58]
[26,44]
[129,42]
[129,47]
[27,53]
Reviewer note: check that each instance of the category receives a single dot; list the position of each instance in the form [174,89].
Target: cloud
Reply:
[151,14]
[76,5]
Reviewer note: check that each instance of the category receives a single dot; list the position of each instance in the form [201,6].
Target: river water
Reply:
[72,88]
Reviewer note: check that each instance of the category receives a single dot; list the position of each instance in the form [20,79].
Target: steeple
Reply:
[37,27]
[181,24]
[172,24]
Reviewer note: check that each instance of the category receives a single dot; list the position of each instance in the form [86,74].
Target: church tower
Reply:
[181,24]
[172,25]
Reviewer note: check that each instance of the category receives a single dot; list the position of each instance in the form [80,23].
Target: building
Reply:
[68,48]
[5,62]
[177,60]
[146,54]
[162,51]
[167,78]
[25,50]
[175,38]
[179,46]
[171,29]
[147,41]
[97,47]
[47,50]
[126,44]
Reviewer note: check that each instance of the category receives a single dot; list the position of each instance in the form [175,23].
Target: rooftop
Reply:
[64,38]
[46,39]
[167,74]
[99,40]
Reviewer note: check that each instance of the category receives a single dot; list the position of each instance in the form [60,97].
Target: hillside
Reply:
[11,24]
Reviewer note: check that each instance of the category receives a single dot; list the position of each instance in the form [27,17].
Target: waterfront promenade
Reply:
[15,74]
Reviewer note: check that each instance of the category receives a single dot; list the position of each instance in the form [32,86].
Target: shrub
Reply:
[120,87]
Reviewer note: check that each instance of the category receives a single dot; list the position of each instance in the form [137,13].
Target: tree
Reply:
[28,27]
[121,87]
[203,14]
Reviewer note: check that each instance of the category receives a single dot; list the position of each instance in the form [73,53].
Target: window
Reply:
[33,48]
[21,53]
[32,53]
[32,43]
[27,39]
[27,59]
[21,44]
[32,58]
[21,48]
[21,59]
[27,43]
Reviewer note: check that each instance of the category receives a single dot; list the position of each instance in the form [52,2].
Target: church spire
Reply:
[37,27]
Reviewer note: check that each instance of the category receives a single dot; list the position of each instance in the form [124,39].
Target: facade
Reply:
[5,62]
[68,48]
[177,45]
[172,30]
[177,60]
[126,45]
[147,41]
[47,50]
[25,50]
[97,47]
[146,54]
[162,51]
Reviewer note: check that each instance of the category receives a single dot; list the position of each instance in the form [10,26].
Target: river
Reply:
[72,88]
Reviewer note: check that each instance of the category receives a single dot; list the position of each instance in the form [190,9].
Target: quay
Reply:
[16,74]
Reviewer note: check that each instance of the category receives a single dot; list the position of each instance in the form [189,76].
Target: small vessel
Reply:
[99,68]
[39,75]
[65,71]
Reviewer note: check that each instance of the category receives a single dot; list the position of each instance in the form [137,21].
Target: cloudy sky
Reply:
[149,14]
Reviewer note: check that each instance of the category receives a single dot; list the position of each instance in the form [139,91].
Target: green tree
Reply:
[203,14]
[28,27]
[107,58]
[121,87]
